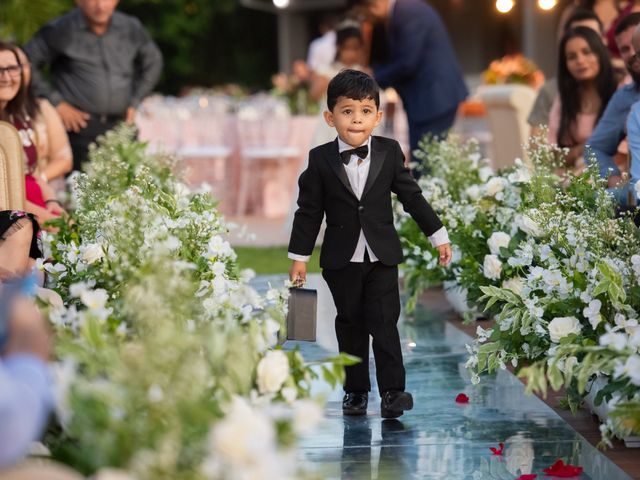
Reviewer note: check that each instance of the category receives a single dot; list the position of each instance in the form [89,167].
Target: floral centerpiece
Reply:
[295,88]
[514,68]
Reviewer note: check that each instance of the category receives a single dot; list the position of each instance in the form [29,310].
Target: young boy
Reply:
[350,180]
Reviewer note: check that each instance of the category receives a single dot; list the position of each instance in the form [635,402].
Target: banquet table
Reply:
[210,151]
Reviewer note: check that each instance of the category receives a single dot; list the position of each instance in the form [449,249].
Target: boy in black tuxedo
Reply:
[350,180]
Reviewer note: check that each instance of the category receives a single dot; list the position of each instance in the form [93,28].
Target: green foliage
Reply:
[20,19]
[203,42]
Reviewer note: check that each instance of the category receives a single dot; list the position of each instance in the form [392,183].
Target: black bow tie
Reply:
[361,152]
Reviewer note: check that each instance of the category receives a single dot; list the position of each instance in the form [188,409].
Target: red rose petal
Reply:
[561,470]
[462,398]
[497,451]
[527,476]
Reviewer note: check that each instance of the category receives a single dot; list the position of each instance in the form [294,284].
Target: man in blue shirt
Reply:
[26,396]
[633,129]
[421,65]
[610,130]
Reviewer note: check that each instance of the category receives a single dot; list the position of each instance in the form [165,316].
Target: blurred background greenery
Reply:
[204,42]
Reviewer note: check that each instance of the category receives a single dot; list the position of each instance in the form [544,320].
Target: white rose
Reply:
[560,327]
[492,267]
[307,414]
[527,225]
[94,299]
[495,185]
[243,436]
[515,284]
[92,252]
[497,240]
[631,369]
[289,394]
[484,173]
[273,371]
[473,192]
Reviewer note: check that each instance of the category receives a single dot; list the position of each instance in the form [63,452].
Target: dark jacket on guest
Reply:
[422,64]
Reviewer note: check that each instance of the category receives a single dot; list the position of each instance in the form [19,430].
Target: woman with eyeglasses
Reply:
[55,158]
[586,82]
[40,198]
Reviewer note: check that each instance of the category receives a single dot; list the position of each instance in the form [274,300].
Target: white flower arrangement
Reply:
[549,261]
[163,333]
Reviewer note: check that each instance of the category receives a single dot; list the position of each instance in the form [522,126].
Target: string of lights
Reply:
[505,6]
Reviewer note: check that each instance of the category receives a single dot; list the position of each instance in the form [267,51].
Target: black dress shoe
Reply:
[355,403]
[394,403]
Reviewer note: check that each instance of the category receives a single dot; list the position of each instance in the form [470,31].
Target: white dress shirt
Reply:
[357,172]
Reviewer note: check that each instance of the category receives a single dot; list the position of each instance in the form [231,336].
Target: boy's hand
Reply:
[444,252]
[298,273]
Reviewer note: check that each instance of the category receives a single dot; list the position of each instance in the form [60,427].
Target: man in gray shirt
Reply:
[102,64]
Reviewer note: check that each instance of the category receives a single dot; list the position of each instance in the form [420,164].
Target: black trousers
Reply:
[367,299]
[80,141]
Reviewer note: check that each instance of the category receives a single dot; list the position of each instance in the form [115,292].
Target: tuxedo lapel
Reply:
[337,166]
[377,159]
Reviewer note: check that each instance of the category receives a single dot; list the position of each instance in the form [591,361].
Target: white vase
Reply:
[602,411]
[457,297]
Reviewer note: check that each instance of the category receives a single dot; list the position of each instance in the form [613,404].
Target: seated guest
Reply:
[54,151]
[585,85]
[539,115]
[25,389]
[40,197]
[633,130]
[610,129]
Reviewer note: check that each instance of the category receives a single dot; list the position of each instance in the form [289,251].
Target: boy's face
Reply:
[354,120]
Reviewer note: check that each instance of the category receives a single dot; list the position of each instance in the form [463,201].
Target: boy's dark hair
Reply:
[352,84]
[345,33]
[580,15]
[627,22]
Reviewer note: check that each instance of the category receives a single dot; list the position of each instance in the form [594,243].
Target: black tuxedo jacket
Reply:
[325,189]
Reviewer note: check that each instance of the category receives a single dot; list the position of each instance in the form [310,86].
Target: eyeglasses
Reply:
[11,70]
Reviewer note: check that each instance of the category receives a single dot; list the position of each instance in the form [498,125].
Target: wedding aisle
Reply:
[440,439]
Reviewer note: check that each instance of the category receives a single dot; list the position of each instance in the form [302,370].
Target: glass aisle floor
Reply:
[439,439]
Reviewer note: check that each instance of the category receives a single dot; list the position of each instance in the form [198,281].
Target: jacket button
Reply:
[361,208]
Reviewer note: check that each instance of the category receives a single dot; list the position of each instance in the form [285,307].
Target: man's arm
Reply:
[25,401]
[148,67]
[407,54]
[41,54]
[607,135]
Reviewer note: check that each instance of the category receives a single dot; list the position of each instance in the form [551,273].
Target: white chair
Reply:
[263,137]
[205,146]
[12,190]
[507,109]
